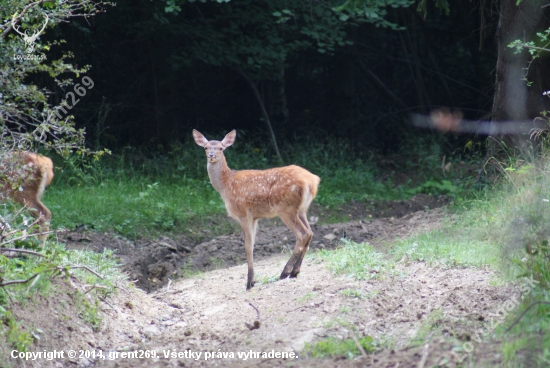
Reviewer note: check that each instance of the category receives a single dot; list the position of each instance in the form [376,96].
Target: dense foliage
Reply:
[163,68]
[30,69]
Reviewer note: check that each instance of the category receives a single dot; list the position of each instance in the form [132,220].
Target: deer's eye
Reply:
[205,148]
[221,148]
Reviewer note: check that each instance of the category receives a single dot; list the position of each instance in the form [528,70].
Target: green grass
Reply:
[504,229]
[331,347]
[133,207]
[99,273]
[143,194]
[359,261]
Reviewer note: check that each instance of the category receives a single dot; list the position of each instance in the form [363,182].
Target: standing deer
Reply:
[23,178]
[250,195]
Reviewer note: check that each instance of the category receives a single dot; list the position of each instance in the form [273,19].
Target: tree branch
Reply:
[383,86]
[523,313]
[19,281]
[264,112]
[524,45]
[25,10]
[7,250]
[24,236]
[87,269]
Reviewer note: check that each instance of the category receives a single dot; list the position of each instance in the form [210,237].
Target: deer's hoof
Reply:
[283,276]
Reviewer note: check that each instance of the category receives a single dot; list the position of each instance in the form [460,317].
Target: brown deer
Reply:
[23,178]
[250,195]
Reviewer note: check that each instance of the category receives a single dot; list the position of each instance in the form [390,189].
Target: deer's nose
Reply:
[211,154]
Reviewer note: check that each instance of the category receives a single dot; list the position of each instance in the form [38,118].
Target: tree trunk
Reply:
[513,99]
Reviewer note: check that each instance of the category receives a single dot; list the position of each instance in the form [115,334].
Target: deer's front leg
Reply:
[249,235]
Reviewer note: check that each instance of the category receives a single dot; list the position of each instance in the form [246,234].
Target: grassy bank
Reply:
[505,230]
[136,193]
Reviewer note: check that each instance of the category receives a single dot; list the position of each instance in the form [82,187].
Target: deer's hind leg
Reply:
[30,198]
[296,269]
[297,222]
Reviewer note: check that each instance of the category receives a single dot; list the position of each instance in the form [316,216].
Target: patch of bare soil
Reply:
[56,322]
[152,263]
[212,313]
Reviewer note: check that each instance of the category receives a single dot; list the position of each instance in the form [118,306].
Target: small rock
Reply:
[150,330]
[169,246]
[329,237]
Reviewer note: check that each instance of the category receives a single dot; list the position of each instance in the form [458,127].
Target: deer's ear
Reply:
[199,138]
[229,138]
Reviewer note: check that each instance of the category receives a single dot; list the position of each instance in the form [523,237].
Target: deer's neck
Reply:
[219,174]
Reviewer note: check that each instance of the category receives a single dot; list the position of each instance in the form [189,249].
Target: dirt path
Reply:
[212,313]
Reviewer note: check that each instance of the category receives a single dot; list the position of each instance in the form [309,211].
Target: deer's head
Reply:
[214,149]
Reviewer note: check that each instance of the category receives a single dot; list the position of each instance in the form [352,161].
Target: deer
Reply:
[23,179]
[250,195]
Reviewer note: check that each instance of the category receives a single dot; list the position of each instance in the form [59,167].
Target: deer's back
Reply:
[263,193]
[26,169]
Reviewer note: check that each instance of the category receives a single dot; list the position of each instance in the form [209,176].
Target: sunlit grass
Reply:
[341,348]
[360,261]
[136,193]
[133,207]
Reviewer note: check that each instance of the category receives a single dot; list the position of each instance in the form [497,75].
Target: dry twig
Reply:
[359,346]
[16,250]
[256,323]
[19,281]
[424,357]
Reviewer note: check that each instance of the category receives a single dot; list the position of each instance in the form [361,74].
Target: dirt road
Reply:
[210,320]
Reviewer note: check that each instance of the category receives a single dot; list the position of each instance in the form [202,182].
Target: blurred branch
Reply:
[522,314]
[7,250]
[19,281]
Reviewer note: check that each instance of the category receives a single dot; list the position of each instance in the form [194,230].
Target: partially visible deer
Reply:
[250,195]
[23,178]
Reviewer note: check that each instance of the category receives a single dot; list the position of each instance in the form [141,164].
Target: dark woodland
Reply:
[158,74]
